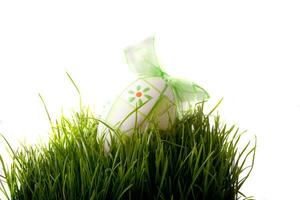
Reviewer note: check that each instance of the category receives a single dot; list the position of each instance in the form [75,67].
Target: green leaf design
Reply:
[131,99]
[138,87]
[131,92]
[140,102]
[146,89]
[148,96]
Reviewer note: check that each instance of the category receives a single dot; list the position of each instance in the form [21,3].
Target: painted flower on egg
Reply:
[139,95]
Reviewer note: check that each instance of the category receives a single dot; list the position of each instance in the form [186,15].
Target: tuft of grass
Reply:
[199,158]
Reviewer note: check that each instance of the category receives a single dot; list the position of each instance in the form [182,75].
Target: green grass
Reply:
[199,158]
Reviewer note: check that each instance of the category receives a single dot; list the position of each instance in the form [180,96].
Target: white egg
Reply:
[146,100]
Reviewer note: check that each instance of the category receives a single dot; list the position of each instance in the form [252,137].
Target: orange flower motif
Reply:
[139,95]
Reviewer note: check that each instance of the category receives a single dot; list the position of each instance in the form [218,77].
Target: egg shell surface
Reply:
[146,100]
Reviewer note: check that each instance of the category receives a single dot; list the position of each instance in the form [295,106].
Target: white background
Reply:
[244,51]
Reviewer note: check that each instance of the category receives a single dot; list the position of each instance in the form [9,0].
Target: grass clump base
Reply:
[197,159]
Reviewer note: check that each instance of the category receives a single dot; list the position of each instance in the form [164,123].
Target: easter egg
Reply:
[146,100]
[151,98]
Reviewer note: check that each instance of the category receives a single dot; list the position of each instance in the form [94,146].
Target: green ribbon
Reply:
[142,60]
